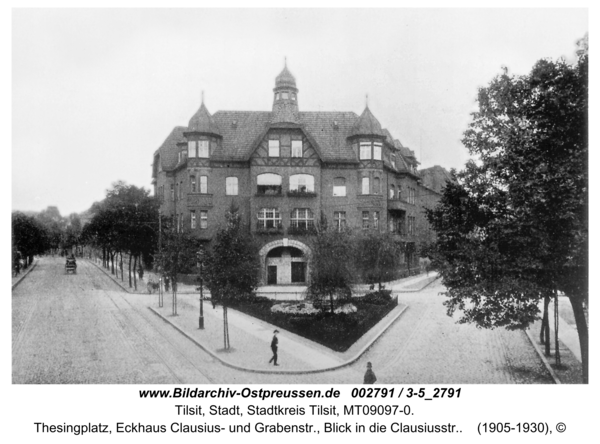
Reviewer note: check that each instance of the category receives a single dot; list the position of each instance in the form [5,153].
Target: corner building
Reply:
[285,169]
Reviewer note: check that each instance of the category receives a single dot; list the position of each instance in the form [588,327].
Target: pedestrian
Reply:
[370,377]
[274,344]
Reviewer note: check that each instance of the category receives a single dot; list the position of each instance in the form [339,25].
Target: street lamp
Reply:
[200,257]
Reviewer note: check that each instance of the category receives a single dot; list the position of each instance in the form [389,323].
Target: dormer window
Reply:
[276,96]
[294,96]
[203,150]
[365,150]
[192,148]
[297,148]
[377,151]
[273,148]
[285,95]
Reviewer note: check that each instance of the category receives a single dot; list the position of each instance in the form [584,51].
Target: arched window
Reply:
[302,183]
[231,186]
[365,185]
[376,185]
[268,183]
[193,184]
[339,186]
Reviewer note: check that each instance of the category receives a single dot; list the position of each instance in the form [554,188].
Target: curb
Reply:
[284,372]
[110,276]
[25,275]
[543,358]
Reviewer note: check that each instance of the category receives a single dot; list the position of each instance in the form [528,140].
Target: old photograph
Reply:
[299,196]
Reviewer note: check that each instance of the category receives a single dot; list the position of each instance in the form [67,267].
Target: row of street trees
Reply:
[512,227]
[125,222]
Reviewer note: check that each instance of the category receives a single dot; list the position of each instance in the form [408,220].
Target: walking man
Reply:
[370,377]
[274,343]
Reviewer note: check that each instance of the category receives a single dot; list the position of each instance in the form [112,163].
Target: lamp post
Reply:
[200,256]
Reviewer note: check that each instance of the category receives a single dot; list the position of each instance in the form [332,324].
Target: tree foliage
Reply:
[29,236]
[512,226]
[378,257]
[332,266]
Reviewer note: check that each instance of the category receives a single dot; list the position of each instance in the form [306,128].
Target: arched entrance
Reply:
[285,262]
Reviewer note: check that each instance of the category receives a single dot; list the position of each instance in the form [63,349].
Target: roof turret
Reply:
[367,125]
[202,122]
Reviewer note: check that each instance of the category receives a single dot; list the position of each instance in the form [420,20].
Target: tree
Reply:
[331,272]
[512,226]
[54,224]
[177,255]
[378,257]
[232,266]
[29,237]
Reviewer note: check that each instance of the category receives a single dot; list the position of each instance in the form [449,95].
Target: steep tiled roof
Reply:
[240,131]
[203,122]
[367,125]
[168,150]
[330,131]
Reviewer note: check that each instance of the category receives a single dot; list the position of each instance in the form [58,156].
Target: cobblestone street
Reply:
[83,328]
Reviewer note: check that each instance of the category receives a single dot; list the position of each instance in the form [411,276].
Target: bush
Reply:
[382,297]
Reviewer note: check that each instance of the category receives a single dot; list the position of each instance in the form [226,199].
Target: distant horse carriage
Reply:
[71,266]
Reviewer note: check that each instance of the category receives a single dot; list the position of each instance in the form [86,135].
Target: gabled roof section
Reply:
[330,131]
[367,125]
[203,122]
[168,150]
[240,131]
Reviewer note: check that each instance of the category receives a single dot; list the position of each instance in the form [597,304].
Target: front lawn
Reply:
[337,332]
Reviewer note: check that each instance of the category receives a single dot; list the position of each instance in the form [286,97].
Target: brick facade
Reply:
[285,170]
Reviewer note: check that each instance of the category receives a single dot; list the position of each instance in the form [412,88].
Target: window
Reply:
[179,157]
[365,185]
[339,218]
[268,183]
[203,150]
[377,151]
[392,191]
[393,160]
[339,186]
[231,186]
[365,220]
[191,148]
[203,219]
[376,219]
[284,95]
[376,185]
[297,148]
[193,184]
[302,183]
[399,191]
[204,184]
[172,192]
[269,218]
[176,191]
[181,191]
[277,96]
[294,96]
[273,148]
[365,150]
[193,219]
[302,218]
[411,224]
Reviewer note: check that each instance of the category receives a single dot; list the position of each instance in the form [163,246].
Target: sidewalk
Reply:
[250,338]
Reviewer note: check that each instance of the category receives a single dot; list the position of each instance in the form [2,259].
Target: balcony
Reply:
[396,204]
[301,193]
[199,200]
[269,227]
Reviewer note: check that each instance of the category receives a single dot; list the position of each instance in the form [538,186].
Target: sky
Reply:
[96,91]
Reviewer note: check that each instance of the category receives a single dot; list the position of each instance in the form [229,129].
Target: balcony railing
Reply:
[301,193]
[269,227]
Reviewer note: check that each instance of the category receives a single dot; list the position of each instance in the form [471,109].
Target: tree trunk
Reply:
[121,265]
[556,346]
[112,262]
[129,270]
[174,287]
[225,328]
[331,302]
[582,331]
[134,276]
[545,330]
